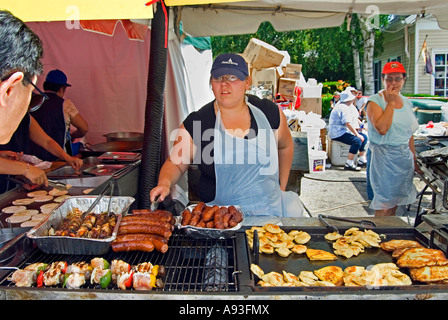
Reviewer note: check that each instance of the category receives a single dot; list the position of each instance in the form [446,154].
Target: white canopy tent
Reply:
[208,19]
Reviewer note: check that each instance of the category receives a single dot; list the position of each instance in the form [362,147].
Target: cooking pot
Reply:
[117,146]
[124,136]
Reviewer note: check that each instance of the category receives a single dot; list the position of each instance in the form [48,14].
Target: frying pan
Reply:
[124,136]
[118,146]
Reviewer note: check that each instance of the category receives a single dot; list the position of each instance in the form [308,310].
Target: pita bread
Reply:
[18,219]
[25,212]
[56,193]
[29,223]
[47,208]
[12,209]
[23,201]
[39,217]
[37,193]
[43,198]
[61,198]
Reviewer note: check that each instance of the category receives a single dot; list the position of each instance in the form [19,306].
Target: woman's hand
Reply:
[36,175]
[392,96]
[11,155]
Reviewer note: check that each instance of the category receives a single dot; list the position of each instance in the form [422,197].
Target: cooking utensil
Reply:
[325,223]
[363,223]
[112,187]
[97,200]
[124,136]
[58,185]
[154,204]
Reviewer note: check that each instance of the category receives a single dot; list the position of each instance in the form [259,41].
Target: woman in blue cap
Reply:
[241,144]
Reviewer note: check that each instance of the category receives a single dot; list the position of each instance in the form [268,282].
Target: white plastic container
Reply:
[316,161]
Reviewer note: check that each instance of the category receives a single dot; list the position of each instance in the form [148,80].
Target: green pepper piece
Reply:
[105,280]
[106,264]
[65,280]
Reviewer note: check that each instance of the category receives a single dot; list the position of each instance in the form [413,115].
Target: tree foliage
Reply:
[325,53]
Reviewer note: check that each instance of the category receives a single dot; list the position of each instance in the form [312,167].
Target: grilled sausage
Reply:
[140,236]
[209,212]
[199,208]
[226,219]
[237,217]
[195,219]
[156,215]
[139,228]
[218,218]
[186,217]
[147,223]
[137,245]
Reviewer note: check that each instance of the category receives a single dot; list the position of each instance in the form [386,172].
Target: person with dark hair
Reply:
[20,63]
[391,155]
[242,146]
[56,115]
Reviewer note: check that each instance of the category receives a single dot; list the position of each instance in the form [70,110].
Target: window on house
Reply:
[441,75]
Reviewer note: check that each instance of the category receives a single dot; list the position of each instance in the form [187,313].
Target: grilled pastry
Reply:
[299,249]
[422,257]
[315,254]
[302,238]
[429,274]
[333,274]
[395,244]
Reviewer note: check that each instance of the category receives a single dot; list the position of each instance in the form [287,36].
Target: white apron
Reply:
[247,171]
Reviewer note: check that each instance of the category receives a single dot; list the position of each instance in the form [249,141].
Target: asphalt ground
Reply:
[343,193]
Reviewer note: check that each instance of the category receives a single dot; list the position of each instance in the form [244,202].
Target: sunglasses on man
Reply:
[37,99]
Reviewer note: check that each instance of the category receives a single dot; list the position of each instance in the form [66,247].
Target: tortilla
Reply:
[18,219]
[39,217]
[43,198]
[30,212]
[12,209]
[61,198]
[37,193]
[47,208]
[23,201]
[55,192]
[29,223]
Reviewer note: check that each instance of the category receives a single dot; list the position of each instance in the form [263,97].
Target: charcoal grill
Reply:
[191,265]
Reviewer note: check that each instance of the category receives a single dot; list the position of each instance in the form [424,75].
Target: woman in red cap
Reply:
[391,124]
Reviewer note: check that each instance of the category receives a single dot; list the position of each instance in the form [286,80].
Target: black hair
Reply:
[51,86]
[20,48]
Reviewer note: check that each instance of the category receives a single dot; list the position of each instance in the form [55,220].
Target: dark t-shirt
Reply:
[207,118]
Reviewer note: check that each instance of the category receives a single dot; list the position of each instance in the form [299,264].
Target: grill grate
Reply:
[191,264]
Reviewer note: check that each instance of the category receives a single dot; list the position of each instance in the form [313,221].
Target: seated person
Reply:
[343,126]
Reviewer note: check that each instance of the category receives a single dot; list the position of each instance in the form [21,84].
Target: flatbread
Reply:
[43,198]
[422,257]
[61,198]
[12,209]
[56,193]
[25,212]
[39,217]
[315,254]
[29,223]
[47,208]
[87,191]
[37,193]
[429,274]
[23,201]
[18,219]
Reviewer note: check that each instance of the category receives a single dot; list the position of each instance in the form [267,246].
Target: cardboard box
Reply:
[265,77]
[310,105]
[287,87]
[262,55]
[293,71]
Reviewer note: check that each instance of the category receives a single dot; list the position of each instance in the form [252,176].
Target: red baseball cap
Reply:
[392,67]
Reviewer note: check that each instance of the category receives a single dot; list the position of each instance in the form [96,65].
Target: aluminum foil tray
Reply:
[70,245]
[208,233]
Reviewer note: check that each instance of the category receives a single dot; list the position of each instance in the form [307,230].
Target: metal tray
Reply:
[66,171]
[208,233]
[119,156]
[70,245]
[105,169]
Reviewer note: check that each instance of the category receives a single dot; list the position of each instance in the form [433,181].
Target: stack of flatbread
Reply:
[425,265]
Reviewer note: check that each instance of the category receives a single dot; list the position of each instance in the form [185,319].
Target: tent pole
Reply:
[154,111]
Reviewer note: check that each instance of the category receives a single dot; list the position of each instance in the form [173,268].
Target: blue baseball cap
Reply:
[230,63]
[58,77]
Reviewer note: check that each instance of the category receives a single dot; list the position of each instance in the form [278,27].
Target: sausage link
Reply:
[137,245]
[218,218]
[237,217]
[147,223]
[199,208]
[209,212]
[186,217]
[138,228]
[140,236]
[195,219]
